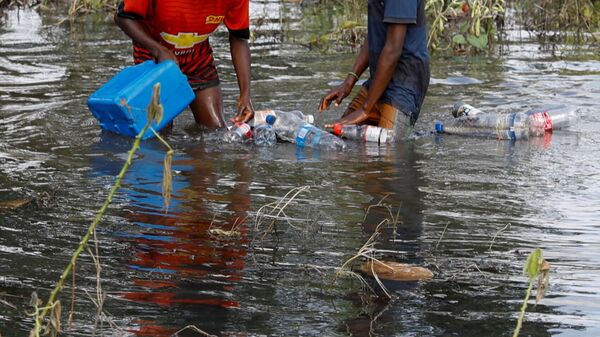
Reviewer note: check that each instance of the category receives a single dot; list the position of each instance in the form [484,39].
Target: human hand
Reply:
[163,54]
[356,117]
[245,110]
[337,94]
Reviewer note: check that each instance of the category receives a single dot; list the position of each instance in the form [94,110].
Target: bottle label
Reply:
[244,131]
[372,133]
[317,137]
[542,118]
[300,139]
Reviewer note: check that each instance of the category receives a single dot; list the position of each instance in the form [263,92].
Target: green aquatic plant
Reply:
[535,268]
[155,113]
[464,26]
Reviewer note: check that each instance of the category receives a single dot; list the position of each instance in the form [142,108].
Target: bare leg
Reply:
[208,107]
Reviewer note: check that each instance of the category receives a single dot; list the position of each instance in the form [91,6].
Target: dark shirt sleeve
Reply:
[401,11]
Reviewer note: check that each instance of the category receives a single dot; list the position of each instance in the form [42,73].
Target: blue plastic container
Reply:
[120,104]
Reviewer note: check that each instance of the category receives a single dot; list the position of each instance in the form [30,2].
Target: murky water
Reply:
[454,198]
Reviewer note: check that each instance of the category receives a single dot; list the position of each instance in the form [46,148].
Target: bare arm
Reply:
[343,90]
[240,56]
[388,59]
[136,31]
[386,64]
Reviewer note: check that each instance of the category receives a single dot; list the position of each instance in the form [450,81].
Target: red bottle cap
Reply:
[337,129]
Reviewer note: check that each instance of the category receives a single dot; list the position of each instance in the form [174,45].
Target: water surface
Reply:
[453,198]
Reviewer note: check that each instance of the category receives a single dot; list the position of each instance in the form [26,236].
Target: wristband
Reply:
[353,74]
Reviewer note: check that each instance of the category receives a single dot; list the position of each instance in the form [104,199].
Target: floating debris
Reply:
[9,205]
[394,271]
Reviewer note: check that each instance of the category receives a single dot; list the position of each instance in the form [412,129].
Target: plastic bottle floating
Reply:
[309,135]
[364,133]
[470,121]
[238,133]
[264,134]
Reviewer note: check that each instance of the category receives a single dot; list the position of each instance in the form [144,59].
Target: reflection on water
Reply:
[453,198]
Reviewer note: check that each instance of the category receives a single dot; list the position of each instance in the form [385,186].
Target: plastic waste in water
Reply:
[264,135]
[365,133]
[284,118]
[238,133]
[513,126]
[309,135]
[461,109]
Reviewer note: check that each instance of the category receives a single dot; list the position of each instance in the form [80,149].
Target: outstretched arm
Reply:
[343,90]
[240,56]
[388,59]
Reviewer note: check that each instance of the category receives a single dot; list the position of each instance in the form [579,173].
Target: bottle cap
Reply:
[439,127]
[310,119]
[337,129]
[270,119]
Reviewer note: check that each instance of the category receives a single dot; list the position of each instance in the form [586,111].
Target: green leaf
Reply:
[459,39]
[464,27]
[348,24]
[479,42]
[532,266]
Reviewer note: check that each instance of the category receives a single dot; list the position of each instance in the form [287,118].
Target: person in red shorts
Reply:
[178,30]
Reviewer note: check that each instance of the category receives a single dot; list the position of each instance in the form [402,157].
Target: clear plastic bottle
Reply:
[365,133]
[309,135]
[522,125]
[238,133]
[284,118]
[264,135]
[462,109]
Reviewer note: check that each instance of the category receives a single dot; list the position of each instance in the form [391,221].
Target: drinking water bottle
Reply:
[264,135]
[283,118]
[311,136]
[462,109]
[238,133]
[513,126]
[365,133]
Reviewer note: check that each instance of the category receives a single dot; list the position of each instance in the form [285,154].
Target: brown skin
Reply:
[388,59]
[207,107]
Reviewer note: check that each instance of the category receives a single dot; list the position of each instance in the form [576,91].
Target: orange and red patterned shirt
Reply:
[184,26]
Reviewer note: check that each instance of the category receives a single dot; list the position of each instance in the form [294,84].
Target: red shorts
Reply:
[196,63]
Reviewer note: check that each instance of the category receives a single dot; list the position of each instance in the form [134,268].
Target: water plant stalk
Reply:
[155,112]
[533,267]
[90,231]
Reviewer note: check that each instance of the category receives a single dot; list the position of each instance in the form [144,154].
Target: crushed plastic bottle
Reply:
[513,126]
[238,133]
[365,133]
[264,135]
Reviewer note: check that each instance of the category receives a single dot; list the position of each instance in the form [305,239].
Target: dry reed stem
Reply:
[441,236]
[195,329]
[497,233]
[376,205]
[167,182]
[367,251]
[277,209]
[233,232]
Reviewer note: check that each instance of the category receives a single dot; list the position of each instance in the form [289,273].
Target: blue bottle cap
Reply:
[271,119]
[439,127]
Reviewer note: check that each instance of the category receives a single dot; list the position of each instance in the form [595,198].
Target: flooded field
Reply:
[470,210]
